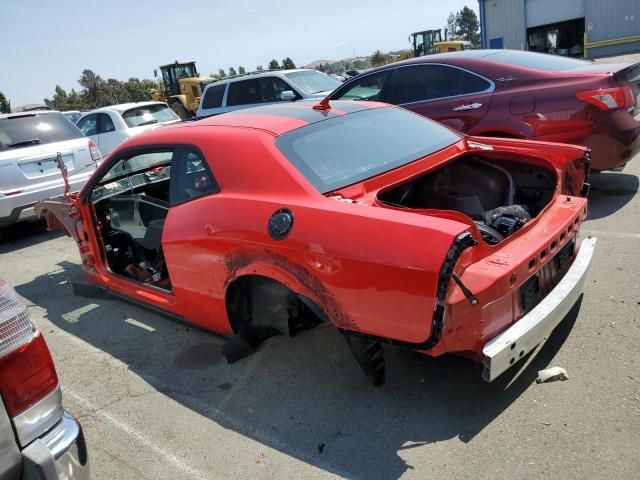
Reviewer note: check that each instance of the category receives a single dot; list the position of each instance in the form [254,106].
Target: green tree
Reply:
[359,64]
[5,104]
[378,58]
[241,71]
[222,73]
[138,90]
[288,64]
[59,101]
[232,71]
[259,68]
[451,26]
[97,92]
[467,26]
[274,65]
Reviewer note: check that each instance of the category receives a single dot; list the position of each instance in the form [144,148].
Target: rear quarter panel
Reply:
[370,269]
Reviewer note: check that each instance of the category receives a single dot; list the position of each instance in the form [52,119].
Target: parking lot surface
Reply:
[158,401]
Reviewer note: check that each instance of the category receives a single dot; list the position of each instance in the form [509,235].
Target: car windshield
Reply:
[347,149]
[312,81]
[148,115]
[35,129]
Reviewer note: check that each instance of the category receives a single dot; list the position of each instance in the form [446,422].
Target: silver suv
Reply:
[267,87]
[29,146]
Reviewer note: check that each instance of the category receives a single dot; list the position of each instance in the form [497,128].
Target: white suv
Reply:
[255,89]
[29,146]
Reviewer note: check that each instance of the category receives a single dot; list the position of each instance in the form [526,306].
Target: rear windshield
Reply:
[539,61]
[148,114]
[35,129]
[347,149]
[312,81]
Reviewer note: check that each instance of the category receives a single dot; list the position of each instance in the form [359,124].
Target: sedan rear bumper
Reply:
[524,335]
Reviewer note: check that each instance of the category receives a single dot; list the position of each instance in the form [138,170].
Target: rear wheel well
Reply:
[261,300]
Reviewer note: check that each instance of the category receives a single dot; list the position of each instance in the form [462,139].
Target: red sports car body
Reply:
[517,94]
[390,226]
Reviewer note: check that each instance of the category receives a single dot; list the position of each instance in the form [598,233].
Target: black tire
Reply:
[179,109]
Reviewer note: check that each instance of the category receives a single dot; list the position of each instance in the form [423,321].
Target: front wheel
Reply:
[179,109]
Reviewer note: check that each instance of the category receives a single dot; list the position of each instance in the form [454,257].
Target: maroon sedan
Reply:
[517,94]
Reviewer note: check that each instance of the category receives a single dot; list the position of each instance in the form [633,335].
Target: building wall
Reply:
[604,20]
[505,18]
[544,12]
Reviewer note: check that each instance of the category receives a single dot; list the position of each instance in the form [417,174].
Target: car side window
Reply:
[429,82]
[369,87]
[105,124]
[88,125]
[213,96]
[244,92]
[272,87]
[190,176]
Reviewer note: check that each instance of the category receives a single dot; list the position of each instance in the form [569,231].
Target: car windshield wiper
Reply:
[147,123]
[24,143]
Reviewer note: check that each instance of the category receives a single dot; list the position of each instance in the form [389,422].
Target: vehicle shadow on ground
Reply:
[304,396]
[25,234]
[610,192]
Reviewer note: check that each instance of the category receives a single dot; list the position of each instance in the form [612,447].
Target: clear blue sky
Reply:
[48,42]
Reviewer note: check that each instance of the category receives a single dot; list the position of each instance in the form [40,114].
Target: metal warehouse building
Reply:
[579,28]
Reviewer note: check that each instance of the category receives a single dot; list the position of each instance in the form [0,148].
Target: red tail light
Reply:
[608,98]
[27,373]
[95,151]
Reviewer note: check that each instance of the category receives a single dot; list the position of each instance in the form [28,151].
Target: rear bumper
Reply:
[615,142]
[14,208]
[524,335]
[60,454]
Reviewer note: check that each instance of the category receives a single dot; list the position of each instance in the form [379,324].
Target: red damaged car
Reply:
[390,226]
[517,94]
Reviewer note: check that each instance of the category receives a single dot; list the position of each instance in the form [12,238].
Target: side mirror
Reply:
[287,96]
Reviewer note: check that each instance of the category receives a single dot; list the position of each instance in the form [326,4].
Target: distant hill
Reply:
[317,63]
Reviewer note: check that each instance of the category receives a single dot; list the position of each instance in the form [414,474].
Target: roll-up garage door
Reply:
[544,12]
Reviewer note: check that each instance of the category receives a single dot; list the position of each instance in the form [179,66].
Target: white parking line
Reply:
[164,453]
[136,323]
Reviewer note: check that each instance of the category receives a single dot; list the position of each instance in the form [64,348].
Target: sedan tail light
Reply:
[27,373]
[95,151]
[608,98]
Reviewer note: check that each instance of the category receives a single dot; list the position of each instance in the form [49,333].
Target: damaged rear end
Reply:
[514,275]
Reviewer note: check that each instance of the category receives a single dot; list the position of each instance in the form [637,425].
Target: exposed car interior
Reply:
[500,196]
[131,203]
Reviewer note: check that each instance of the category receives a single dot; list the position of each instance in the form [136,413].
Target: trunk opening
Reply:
[500,196]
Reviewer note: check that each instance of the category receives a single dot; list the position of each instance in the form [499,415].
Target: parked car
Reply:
[251,90]
[29,144]
[38,438]
[388,225]
[73,115]
[517,94]
[109,126]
